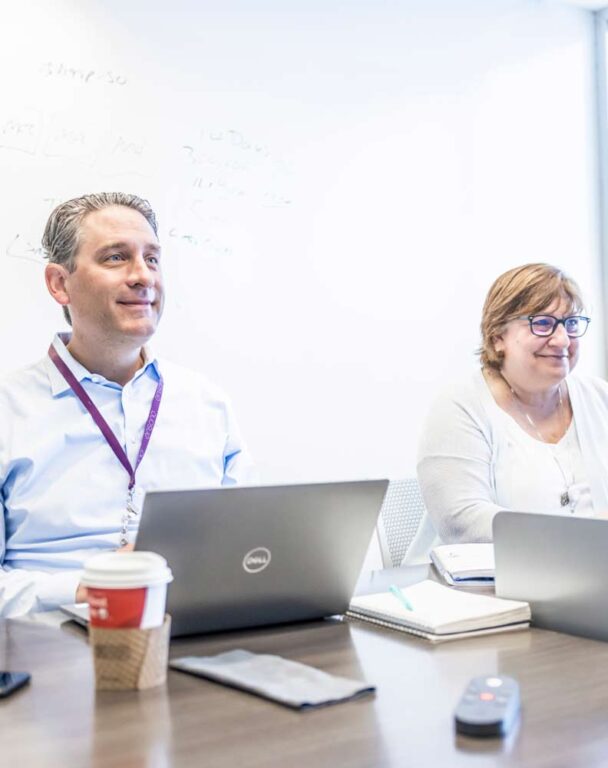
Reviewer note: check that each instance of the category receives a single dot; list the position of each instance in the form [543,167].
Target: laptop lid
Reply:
[249,556]
[559,565]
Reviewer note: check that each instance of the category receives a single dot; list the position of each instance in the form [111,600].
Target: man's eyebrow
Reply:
[124,245]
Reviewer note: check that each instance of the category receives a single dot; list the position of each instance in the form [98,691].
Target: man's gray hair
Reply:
[61,238]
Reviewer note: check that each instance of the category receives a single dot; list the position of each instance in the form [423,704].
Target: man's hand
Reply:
[81,591]
[81,594]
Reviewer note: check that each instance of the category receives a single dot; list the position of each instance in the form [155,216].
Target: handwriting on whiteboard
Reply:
[219,177]
[61,70]
[21,131]
[223,165]
[21,248]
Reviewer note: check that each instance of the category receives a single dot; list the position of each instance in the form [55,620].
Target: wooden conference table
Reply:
[59,720]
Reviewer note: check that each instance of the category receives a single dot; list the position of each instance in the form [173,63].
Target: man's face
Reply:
[116,290]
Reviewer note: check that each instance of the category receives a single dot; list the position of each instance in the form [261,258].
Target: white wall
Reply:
[337,183]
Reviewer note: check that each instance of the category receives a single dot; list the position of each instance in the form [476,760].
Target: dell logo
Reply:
[256,560]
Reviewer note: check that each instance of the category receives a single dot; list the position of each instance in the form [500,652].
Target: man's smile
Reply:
[136,302]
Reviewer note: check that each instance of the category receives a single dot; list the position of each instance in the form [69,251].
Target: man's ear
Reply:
[56,276]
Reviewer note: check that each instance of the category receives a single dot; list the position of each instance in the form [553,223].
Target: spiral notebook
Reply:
[440,613]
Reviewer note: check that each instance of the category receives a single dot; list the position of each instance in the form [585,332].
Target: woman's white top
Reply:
[474,460]
[532,475]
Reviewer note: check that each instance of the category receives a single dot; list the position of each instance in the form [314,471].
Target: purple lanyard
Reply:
[80,393]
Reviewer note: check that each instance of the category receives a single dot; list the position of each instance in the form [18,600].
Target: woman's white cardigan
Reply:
[461,442]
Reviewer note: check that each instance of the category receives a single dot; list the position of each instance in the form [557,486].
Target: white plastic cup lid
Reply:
[126,570]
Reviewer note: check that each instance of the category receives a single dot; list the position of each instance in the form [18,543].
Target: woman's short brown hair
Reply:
[526,290]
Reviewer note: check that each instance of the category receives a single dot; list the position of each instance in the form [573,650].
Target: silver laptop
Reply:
[559,565]
[244,557]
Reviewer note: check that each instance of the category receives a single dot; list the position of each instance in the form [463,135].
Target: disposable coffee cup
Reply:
[128,629]
[127,590]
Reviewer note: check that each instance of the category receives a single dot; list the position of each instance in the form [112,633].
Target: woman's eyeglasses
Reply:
[545,325]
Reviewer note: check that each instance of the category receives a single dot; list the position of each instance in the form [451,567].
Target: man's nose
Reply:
[140,272]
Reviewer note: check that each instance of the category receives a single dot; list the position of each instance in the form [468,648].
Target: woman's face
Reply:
[534,362]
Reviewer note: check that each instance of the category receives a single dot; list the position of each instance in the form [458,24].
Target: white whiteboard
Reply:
[337,184]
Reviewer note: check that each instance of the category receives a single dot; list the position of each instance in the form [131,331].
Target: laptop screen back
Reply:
[246,557]
[559,565]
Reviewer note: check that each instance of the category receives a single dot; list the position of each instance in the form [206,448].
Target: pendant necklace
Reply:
[564,499]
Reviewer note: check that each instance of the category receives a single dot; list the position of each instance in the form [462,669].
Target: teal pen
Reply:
[394,590]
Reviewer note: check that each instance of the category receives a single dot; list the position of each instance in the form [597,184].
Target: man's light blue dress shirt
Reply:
[64,492]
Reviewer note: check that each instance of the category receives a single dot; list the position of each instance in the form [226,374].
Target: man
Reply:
[100,420]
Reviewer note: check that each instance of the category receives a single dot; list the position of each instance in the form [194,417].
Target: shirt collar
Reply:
[150,360]
[60,385]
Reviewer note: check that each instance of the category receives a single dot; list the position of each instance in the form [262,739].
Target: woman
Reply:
[522,433]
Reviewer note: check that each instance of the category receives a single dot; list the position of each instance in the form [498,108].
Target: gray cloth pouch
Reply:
[288,682]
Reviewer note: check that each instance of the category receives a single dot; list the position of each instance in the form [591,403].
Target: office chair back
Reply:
[399,519]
